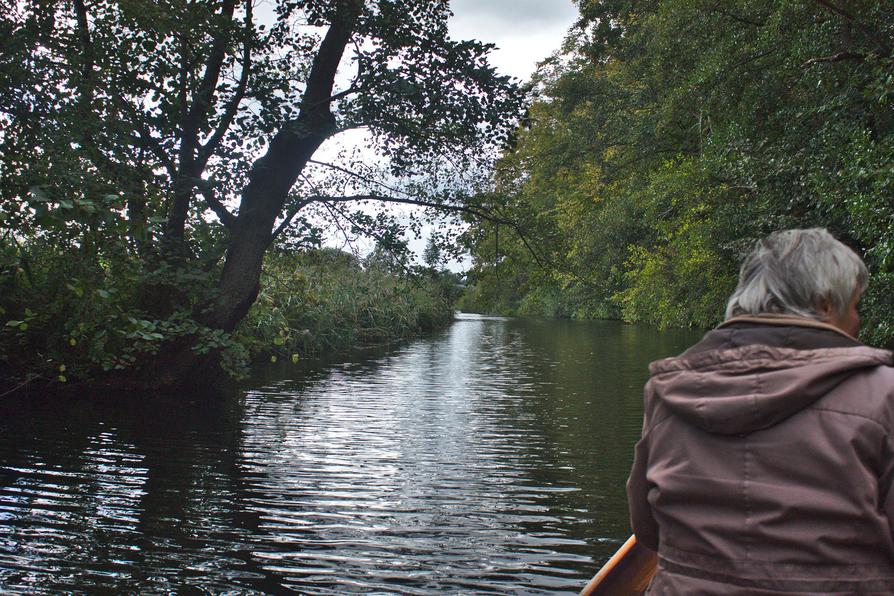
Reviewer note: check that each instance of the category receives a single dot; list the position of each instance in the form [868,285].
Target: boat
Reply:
[627,573]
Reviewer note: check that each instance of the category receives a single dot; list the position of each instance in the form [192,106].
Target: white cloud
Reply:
[524,31]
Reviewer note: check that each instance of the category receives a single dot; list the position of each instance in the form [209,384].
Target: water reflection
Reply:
[488,458]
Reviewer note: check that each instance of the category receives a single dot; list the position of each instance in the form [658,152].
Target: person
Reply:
[767,455]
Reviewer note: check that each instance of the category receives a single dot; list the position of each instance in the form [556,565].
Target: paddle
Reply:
[627,573]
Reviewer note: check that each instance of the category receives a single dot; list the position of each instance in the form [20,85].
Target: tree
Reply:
[180,135]
[671,135]
[432,254]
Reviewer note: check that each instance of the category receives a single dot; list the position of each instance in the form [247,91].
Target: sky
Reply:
[524,32]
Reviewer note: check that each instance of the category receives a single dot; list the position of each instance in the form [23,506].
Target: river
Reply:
[488,458]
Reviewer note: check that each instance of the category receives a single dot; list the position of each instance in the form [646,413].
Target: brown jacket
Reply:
[766,463]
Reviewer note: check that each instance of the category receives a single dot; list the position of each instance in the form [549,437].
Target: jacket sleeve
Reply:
[641,519]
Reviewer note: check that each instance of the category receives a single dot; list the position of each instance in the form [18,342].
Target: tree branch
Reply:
[335,213]
[201,105]
[873,36]
[480,213]
[288,220]
[839,57]
[87,54]
[352,174]
[226,218]
[325,64]
[738,18]
[208,149]
[342,94]
[372,233]
[475,211]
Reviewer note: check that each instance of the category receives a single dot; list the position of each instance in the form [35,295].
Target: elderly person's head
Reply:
[805,273]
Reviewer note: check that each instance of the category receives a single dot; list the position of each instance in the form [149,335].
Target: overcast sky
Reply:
[524,31]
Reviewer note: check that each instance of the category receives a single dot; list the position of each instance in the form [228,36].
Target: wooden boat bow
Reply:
[627,573]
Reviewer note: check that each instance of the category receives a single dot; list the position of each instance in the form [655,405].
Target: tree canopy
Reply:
[153,151]
[669,136]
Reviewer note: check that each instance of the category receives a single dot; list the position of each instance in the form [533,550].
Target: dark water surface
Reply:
[489,458]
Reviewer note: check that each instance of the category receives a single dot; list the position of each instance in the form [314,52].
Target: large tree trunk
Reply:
[273,175]
[262,202]
[263,199]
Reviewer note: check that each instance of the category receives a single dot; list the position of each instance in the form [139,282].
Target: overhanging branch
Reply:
[480,212]
[475,211]
[353,174]
[207,191]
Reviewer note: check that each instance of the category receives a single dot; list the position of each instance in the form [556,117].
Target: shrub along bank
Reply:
[68,320]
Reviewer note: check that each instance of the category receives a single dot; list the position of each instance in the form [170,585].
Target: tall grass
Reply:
[317,302]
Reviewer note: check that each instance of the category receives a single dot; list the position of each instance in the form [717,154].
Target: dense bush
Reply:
[324,300]
[67,318]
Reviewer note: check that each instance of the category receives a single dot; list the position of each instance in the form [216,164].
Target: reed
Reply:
[324,301]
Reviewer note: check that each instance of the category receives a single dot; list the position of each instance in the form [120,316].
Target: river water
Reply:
[489,458]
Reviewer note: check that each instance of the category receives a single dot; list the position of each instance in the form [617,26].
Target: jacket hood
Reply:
[750,387]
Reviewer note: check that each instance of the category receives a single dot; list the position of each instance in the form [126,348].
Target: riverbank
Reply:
[93,335]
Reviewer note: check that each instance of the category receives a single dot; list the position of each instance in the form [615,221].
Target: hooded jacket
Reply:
[766,463]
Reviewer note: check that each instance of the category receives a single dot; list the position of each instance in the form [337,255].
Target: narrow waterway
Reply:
[489,458]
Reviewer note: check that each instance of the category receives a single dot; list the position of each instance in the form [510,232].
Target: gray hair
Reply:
[798,272]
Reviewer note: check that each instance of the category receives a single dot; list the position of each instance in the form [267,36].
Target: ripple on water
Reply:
[486,459]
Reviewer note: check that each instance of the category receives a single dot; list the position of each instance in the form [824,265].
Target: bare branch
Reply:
[353,174]
[372,233]
[335,215]
[470,210]
[839,57]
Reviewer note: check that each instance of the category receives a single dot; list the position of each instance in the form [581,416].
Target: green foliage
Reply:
[150,153]
[312,302]
[318,301]
[90,316]
[670,136]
